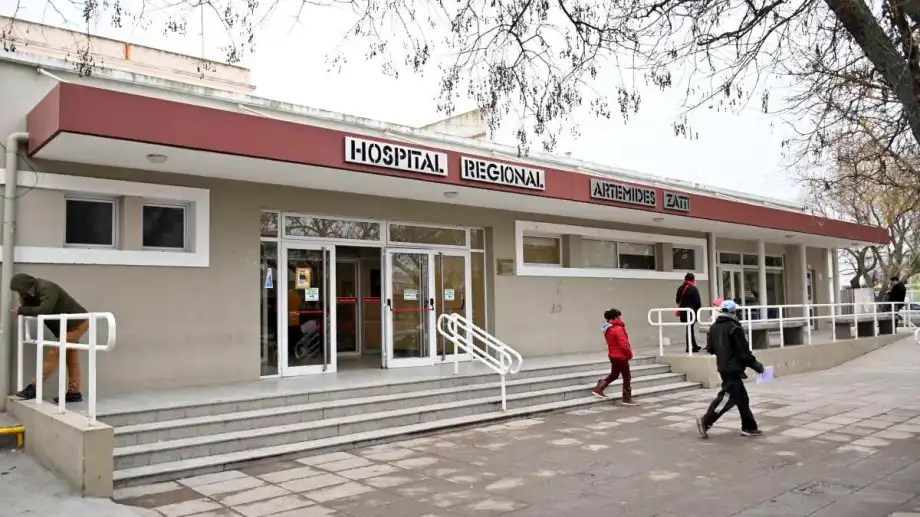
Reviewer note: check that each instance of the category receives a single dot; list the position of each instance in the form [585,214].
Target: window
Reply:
[427,235]
[164,227]
[749,260]
[305,226]
[730,258]
[774,261]
[599,254]
[269,224]
[684,259]
[477,239]
[636,256]
[542,250]
[89,223]
[559,250]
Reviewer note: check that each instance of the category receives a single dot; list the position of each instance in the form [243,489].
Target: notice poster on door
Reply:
[311,294]
[410,295]
[302,278]
[449,295]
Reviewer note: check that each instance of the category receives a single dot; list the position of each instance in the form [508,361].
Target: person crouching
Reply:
[620,352]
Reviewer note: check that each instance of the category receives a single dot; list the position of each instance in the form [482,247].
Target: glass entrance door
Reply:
[309,301]
[732,287]
[409,308]
[451,293]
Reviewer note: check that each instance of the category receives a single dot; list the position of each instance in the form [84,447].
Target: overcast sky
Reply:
[734,151]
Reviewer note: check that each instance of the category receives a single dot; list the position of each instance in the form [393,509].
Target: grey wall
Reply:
[183,326]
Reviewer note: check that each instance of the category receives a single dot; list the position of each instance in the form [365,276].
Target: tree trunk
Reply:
[859,21]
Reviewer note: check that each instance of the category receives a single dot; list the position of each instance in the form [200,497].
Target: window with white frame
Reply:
[543,250]
[114,222]
[548,249]
[90,222]
[596,253]
[687,258]
[636,256]
[164,226]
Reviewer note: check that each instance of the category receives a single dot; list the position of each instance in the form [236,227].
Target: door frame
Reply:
[359,310]
[467,304]
[284,369]
[389,360]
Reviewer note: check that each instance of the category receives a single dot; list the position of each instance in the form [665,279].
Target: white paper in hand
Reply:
[766,376]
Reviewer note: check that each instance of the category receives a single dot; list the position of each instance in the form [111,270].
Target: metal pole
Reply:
[782,333]
[62,362]
[39,359]
[7,259]
[91,389]
[504,395]
[21,321]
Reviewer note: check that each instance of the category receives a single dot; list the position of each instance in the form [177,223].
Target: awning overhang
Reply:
[83,124]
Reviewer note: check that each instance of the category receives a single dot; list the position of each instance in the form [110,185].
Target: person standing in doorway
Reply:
[688,297]
[733,356]
[39,296]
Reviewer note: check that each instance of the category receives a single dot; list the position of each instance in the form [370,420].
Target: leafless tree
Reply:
[541,60]
[889,206]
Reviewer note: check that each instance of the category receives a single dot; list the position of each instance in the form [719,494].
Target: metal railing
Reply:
[661,324]
[92,347]
[917,336]
[851,312]
[499,357]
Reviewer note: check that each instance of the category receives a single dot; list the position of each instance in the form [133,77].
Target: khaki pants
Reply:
[74,380]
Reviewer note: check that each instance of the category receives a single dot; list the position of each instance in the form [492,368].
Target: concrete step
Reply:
[222,461]
[235,404]
[284,415]
[229,442]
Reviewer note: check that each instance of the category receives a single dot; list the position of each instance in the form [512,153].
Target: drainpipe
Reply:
[6,268]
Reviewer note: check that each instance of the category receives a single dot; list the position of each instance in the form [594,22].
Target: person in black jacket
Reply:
[897,293]
[733,356]
[688,296]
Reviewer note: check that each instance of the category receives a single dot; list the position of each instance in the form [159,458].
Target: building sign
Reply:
[502,174]
[620,193]
[677,202]
[393,156]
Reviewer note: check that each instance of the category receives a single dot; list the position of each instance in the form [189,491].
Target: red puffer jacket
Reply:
[617,340]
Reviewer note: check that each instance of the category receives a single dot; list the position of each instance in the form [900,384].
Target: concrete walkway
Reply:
[27,489]
[843,442]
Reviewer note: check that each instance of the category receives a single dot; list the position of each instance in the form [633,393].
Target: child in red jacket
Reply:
[620,352]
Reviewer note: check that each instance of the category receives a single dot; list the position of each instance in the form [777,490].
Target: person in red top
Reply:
[620,352]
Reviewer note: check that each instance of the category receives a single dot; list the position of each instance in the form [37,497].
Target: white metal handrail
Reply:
[661,324]
[496,355]
[92,347]
[835,312]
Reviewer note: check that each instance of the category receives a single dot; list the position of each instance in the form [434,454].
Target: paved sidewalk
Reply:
[27,489]
[843,442]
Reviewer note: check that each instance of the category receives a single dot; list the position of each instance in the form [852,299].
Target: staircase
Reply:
[170,443]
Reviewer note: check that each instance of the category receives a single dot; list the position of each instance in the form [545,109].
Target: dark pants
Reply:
[620,367]
[732,394]
[692,339]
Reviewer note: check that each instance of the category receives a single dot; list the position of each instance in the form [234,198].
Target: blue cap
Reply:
[729,306]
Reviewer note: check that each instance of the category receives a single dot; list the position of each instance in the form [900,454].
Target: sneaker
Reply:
[27,393]
[629,402]
[753,432]
[704,431]
[71,396]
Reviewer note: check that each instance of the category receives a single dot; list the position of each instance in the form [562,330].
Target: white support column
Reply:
[835,268]
[762,274]
[712,269]
[803,272]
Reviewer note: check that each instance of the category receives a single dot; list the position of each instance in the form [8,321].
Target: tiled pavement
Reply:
[844,442]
